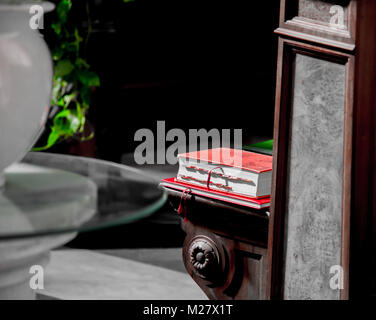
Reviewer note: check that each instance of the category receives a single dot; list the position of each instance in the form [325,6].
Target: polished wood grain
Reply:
[362,280]
[317,28]
[358,228]
[233,239]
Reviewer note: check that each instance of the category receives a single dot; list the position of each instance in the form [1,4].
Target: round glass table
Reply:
[48,198]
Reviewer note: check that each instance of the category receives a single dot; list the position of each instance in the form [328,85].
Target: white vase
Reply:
[26,79]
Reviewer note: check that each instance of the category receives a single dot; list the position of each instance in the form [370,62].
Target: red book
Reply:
[255,203]
[228,170]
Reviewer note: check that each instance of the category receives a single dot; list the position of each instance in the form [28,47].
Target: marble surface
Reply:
[168,258]
[319,10]
[17,258]
[315,179]
[83,274]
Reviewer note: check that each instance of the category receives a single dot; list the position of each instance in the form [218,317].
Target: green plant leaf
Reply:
[63,68]
[62,9]
[53,138]
[265,147]
[73,78]
[268,144]
[55,91]
[81,63]
[57,54]
[85,96]
[66,122]
[57,27]
[77,40]
[81,116]
[68,99]
[89,78]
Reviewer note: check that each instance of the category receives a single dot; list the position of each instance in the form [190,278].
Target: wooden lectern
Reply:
[320,239]
[322,228]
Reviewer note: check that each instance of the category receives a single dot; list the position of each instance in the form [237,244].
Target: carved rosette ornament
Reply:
[204,256]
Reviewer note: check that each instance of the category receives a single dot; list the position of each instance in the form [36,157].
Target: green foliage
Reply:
[261,147]
[268,144]
[73,80]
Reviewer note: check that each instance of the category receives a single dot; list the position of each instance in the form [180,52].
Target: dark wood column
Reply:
[362,275]
[323,209]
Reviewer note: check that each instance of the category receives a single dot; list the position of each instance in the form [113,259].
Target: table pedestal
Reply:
[17,258]
[39,210]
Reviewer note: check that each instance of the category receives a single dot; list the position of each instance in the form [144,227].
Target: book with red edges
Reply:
[228,170]
[256,203]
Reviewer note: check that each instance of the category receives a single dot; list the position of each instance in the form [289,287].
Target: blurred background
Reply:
[192,64]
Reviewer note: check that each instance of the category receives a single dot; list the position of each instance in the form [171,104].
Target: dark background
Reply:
[194,64]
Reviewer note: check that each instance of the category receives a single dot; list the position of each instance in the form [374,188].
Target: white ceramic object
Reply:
[26,79]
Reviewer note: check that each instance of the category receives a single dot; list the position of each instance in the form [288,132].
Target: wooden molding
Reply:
[276,244]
